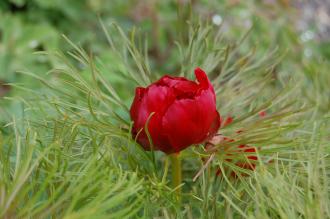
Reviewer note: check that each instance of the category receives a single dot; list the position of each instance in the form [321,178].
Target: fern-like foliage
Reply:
[75,157]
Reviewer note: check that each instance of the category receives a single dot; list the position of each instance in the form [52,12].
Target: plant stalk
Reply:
[176,173]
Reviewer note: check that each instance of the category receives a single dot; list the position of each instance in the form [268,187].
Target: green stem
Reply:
[176,173]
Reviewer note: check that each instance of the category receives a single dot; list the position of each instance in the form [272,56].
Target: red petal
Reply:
[182,87]
[215,126]
[228,120]
[262,114]
[155,99]
[249,149]
[135,108]
[188,122]
[170,81]
[203,79]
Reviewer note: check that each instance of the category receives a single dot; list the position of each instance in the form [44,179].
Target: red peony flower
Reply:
[180,112]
